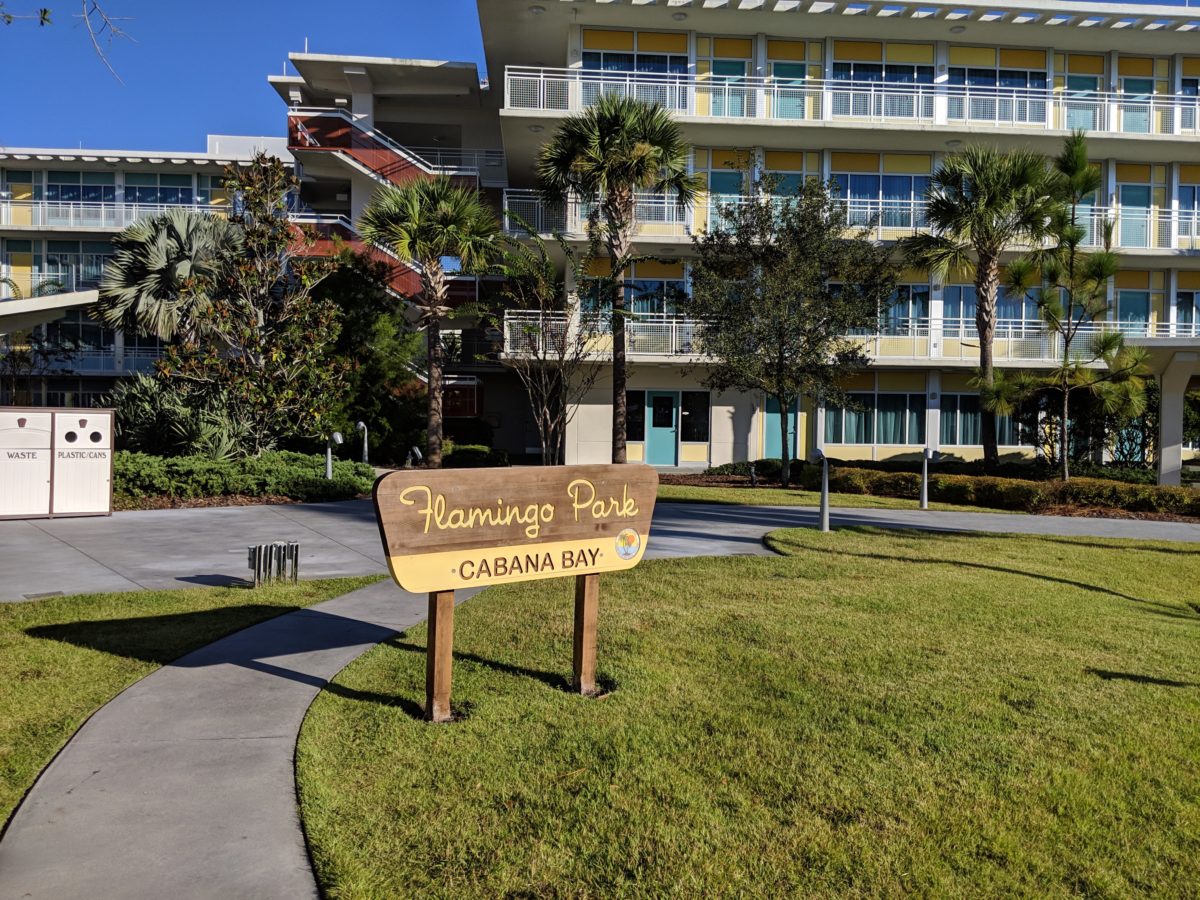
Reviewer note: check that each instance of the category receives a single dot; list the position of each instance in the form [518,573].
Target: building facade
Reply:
[872,96]
[59,210]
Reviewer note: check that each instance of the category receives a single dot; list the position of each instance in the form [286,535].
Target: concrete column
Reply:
[1173,385]
[933,409]
[362,189]
[1176,88]
[760,72]
[941,80]
[819,436]
[1172,310]
[937,313]
[827,68]
[1114,119]
[362,107]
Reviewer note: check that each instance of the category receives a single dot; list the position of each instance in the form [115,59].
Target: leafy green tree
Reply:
[1070,286]
[382,350]
[165,274]
[981,202]
[429,222]
[605,156]
[778,287]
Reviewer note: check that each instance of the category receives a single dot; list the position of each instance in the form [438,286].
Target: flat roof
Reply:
[327,76]
[154,157]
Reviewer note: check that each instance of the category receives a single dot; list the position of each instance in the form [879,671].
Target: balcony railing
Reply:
[52,214]
[1134,228]
[1016,340]
[44,284]
[796,100]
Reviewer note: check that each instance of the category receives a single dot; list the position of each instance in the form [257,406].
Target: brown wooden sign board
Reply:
[456,528]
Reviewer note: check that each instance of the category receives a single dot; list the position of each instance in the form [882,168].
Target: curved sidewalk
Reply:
[183,786]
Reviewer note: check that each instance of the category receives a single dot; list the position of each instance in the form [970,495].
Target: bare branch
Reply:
[102,27]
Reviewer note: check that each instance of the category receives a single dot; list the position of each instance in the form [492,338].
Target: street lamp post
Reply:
[335,438]
[362,426]
[818,455]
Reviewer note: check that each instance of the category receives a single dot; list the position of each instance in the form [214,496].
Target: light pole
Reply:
[819,456]
[930,455]
[335,438]
[362,426]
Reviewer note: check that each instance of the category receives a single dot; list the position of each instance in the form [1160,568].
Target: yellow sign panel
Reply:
[450,529]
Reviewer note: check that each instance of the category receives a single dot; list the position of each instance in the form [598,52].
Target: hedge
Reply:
[1009,493]
[297,476]
[473,456]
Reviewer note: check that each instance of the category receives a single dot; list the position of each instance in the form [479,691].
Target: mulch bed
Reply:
[127,503]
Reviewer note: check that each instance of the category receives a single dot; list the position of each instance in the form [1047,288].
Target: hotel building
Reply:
[59,210]
[870,94]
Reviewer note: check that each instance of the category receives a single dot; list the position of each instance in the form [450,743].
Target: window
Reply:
[1188,195]
[851,425]
[961,420]
[867,95]
[655,296]
[635,415]
[1187,311]
[655,60]
[958,309]
[461,401]
[695,408]
[210,189]
[909,309]
[85,187]
[997,94]
[896,201]
[1133,307]
[900,419]
[153,188]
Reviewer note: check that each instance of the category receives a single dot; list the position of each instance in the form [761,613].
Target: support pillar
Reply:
[1173,386]
[439,656]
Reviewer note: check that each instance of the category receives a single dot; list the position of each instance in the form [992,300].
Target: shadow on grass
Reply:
[552,679]
[1108,675]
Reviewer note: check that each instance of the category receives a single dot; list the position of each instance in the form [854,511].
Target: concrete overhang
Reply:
[535,32]
[18,315]
[1163,351]
[325,78]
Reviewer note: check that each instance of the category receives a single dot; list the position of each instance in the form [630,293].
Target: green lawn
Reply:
[63,658]
[767,496]
[876,713]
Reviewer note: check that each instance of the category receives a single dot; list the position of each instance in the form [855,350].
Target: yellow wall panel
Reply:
[908,163]
[662,42]
[602,39]
[652,268]
[972,56]
[912,53]
[855,162]
[1133,173]
[784,161]
[957,383]
[1189,281]
[1159,174]
[1085,64]
[1133,280]
[860,381]
[598,267]
[734,48]
[1191,65]
[1160,68]
[793,50]
[813,161]
[735,159]
[1189,174]
[913,382]
[703,46]
[816,50]
[1060,62]
[1023,59]
[1137,66]
[914,276]
[693,453]
[866,51]
[815,71]
[634,452]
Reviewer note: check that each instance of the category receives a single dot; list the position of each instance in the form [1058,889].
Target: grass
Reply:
[875,713]
[62,658]
[774,496]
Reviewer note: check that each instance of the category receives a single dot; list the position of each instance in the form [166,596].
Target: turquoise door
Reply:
[662,425]
[772,435]
[1082,103]
[1135,215]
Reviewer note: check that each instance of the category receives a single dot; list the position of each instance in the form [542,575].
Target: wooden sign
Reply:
[457,528]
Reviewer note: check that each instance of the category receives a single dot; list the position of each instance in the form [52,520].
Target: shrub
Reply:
[473,456]
[769,469]
[297,476]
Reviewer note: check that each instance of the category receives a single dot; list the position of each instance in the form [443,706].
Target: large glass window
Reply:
[1187,311]
[80,187]
[1188,224]
[635,415]
[878,418]
[994,94]
[852,424]
[695,409]
[961,420]
[655,296]
[865,92]
[909,310]
[894,201]
[958,309]
[1133,307]
[158,189]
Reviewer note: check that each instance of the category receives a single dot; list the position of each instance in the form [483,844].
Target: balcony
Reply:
[337,131]
[80,216]
[659,216]
[24,285]
[816,100]
[955,341]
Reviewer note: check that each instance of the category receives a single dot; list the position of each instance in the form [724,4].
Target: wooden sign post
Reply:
[456,528]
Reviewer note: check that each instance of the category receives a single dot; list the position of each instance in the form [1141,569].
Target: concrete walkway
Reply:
[180,547]
[183,786]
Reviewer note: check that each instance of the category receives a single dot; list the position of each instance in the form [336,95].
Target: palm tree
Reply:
[164,272]
[425,222]
[605,155]
[982,201]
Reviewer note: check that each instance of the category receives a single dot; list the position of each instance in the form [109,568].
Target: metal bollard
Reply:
[279,561]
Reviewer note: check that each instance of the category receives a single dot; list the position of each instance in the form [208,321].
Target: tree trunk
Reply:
[435,289]
[987,285]
[620,228]
[785,462]
[1064,437]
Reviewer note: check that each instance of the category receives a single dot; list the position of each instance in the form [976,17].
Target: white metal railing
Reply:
[656,214]
[55,214]
[433,160]
[84,277]
[569,90]
[1015,340]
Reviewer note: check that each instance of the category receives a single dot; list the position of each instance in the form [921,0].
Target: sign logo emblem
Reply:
[628,543]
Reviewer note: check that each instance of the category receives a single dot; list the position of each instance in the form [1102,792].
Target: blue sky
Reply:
[189,74]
